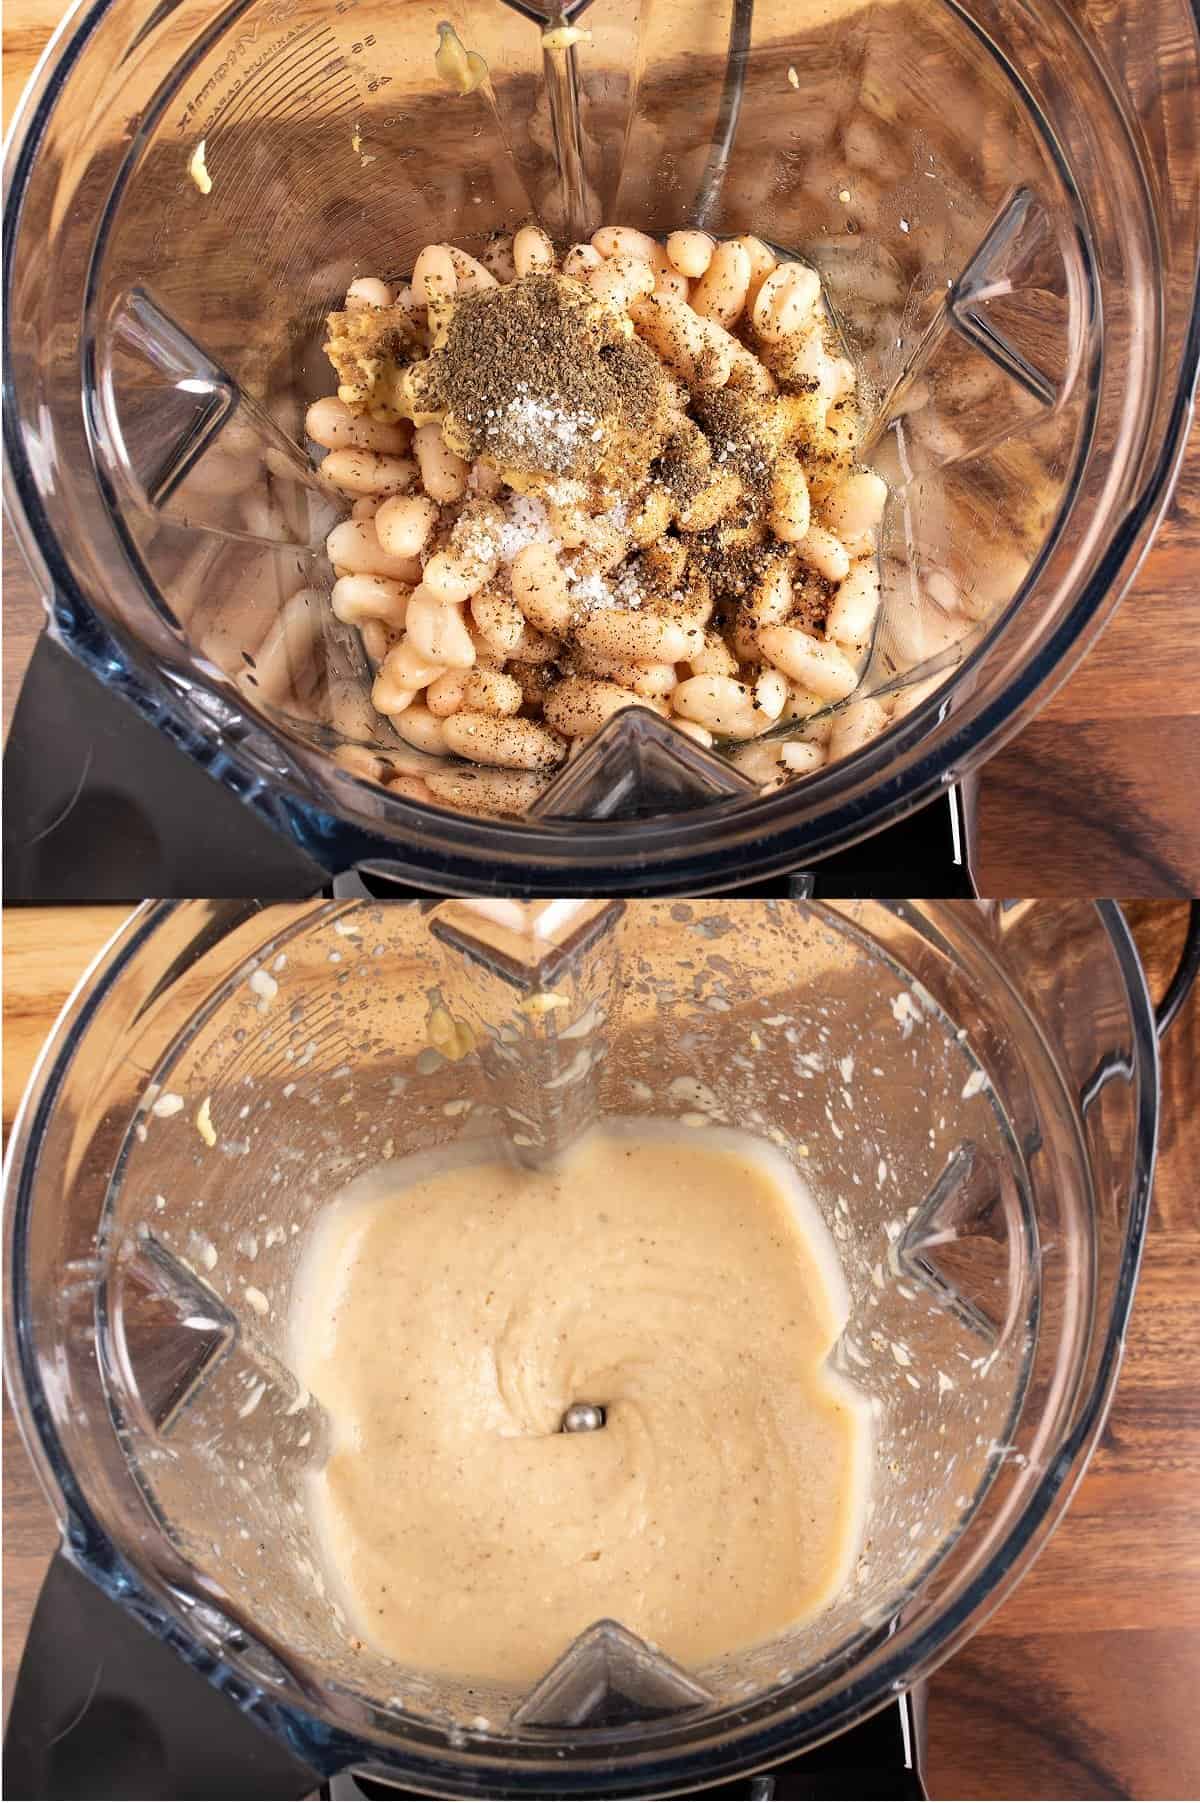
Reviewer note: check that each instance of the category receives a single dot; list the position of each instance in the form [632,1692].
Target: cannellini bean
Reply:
[692,729]
[403,524]
[720,294]
[812,662]
[652,517]
[534,647]
[390,696]
[714,658]
[417,726]
[801,759]
[746,371]
[434,277]
[621,280]
[406,667]
[625,241]
[802,704]
[640,637]
[283,660]
[852,613]
[377,640]
[855,507]
[722,704]
[789,512]
[825,554]
[365,508]
[487,791]
[413,788]
[540,589]
[771,599]
[498,257]
[470,275]
[330,423]
[690,253]
[762,262]
[454,579]
[368,472]
[356,599]
[354,548]
[771,693]
[580,259]
[498,621]
[579,705]
[446,693]
[672,329]
[785,301]
[855,726]
[511,744]
[491,692]
[361,763]
[532,250]
[439,632]
[367,291]
[653,682]
[671,283]
[443,474]
[760,763]
[219,475]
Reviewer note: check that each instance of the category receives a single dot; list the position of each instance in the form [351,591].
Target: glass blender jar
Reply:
[970,1090]
[1000,201]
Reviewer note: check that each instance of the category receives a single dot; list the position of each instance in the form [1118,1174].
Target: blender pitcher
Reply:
[982,188]
[970,1093]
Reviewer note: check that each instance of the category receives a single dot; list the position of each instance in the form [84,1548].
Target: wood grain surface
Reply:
[1084,1683]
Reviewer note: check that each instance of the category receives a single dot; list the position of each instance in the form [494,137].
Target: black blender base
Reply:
[99,806]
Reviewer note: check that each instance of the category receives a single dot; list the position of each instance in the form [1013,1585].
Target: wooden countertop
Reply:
[1084,1684]
[1097,796]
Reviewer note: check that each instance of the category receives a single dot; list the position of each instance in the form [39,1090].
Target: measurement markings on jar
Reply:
[303,66]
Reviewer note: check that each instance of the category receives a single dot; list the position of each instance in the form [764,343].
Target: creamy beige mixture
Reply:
[683,1281]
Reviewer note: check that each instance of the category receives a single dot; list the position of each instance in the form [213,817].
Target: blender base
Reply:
[99,806]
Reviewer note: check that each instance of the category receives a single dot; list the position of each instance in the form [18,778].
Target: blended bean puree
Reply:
[448,1317]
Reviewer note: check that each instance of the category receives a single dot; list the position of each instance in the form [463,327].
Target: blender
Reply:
[970,1091]
[1000,202]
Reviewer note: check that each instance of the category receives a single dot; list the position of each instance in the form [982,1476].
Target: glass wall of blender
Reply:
[973,436]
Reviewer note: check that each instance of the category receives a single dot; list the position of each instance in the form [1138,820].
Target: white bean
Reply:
[511,744]
[367,292]
[540,589]
[625,241]
[443,474]
[365,508]
[439,632]
[785,301]
[532,250]
[772,599]
[690,253]
[417,726]
[771,693]
[720,294]
[813,663]
[670,282]
[413,788]
[714,658]
[825,554]
[855,727]
[355,548]
[405,666]
[678,335]
[360,762]
[330,423]
[498,257]
[855,507]
[356,599]
[487,791]
[368,472]
[692,729]
[800,758]
[499,622]
[484,480]
[789,512]
[454,579]
[639,637]
[852,613]
[390,696]
[284,659]
[579,705]
[434,277]
[762,262]
[580,259]
[446,693]
[469,275]
[724,706]
[620,281]
[403,524]
[491,692]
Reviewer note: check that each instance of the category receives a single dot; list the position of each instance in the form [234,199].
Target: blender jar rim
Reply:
[442,848]
[765,1731]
